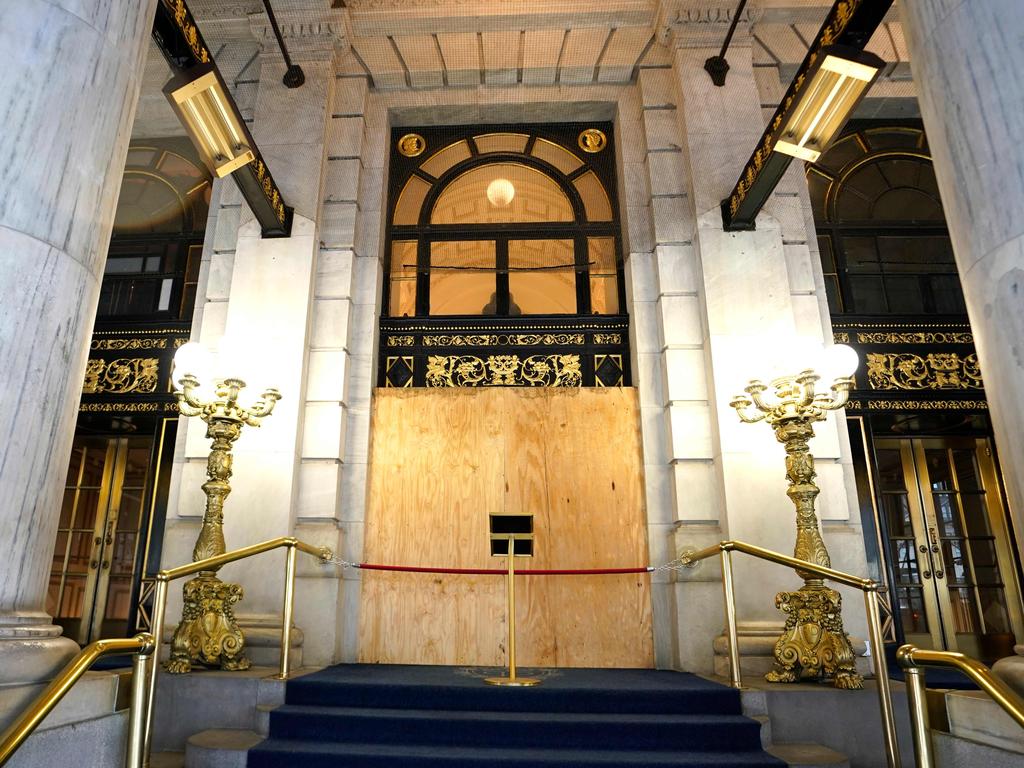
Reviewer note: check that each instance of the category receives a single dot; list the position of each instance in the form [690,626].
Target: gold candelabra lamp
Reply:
[813,643]
[208,633]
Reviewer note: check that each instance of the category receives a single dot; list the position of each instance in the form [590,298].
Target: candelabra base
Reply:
[208,633]
[813,643]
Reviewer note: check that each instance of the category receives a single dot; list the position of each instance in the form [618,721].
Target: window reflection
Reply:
[403,279]
[462,277]
[542,277]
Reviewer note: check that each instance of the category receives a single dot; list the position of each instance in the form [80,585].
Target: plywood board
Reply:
[442,461]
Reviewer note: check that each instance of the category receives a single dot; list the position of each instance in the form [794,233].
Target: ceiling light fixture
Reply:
[500,192]
[202,104]
[835,87]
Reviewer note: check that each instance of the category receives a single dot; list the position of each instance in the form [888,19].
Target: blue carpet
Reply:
[359,716]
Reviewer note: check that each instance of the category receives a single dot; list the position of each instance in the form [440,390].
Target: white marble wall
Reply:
[67,99]
[972,104]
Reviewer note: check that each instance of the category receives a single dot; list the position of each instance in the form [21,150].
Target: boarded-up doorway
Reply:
[441,461]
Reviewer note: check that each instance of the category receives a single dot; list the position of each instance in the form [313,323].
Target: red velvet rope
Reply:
[500,571]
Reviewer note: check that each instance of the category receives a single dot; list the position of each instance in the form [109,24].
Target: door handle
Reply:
[93,565]
[926,574]
[106,564]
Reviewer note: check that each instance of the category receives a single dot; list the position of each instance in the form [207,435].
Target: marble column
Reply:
[67,100]
[972,102]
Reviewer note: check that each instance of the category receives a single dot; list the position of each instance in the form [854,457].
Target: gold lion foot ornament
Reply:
[813,643]
[208,633]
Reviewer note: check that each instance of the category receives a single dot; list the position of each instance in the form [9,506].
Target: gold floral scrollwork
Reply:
[187,25]
[400,341]
[937,370]
[503,339]
[915,337]
[607,338]
[122,376]
[131,344]
[504,371]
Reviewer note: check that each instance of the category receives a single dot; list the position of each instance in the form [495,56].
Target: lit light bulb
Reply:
[500,192]
[837,362]
[191,359]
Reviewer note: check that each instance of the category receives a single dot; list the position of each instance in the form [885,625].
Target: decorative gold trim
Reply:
[599,360]
[937,370]
[927,405]
[503,339]
[607,338]
[122,344]
[840,337]
[592,140]
[835,23]
[126,407]
[412,145]
[915,337]
[408,361]
[121,376]
[187,25]
[504,370]
[401,341]
[270,190]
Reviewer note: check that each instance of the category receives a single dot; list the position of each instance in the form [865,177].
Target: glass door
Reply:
[94,557]
[954,579]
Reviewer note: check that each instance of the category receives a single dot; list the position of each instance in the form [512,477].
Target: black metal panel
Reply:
[535,351]
[921,366]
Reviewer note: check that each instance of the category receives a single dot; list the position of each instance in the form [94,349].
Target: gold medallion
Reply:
[412,145]
[592,140]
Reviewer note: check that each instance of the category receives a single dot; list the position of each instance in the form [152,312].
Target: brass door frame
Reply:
[103,545]
[927,534]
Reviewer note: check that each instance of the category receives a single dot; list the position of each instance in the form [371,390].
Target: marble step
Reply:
[220,748]
[809,756]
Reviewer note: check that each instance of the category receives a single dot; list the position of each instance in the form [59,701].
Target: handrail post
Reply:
[159,609]
[735,677]
[135,751]
[286,618]
[892,746]
[917,699]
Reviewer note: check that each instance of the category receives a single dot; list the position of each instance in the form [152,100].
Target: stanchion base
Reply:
[517,681]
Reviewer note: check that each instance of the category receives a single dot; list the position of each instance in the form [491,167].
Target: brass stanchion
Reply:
[509,529]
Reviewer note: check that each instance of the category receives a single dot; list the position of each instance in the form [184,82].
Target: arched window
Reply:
[153,261]
[503,259]
[882,234]
[502,223]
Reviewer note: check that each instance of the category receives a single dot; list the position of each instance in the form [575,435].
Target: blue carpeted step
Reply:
[542,730]
[280,754]
[577,690]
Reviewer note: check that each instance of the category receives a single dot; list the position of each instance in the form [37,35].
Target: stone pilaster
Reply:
[67,100]
[263,291]
[757,298]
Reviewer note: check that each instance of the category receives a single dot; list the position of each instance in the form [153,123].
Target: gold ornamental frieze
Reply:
[503,339]
[927,405]
[504,371]
[937,370]
[126,375]
[117,345]
[401,341]
[914,337]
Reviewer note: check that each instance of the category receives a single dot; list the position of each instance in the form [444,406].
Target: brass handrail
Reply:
[165,577]
[913,660]
[872,603]
[142,645]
